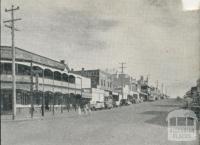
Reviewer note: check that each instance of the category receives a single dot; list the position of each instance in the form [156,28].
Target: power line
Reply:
[13,29]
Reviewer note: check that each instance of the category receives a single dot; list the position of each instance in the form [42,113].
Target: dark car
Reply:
[123,102]
[108,104]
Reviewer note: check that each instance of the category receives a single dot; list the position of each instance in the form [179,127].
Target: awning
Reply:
[106,93]
[115,93]
[142,93]
[135,93]
[86,95]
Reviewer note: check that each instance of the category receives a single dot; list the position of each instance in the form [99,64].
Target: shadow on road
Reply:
[159,119]
[175,105]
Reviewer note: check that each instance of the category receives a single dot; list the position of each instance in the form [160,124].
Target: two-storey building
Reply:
[99,79]
[38,78]
[101,82]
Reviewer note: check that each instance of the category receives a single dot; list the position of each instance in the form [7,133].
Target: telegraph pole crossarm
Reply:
[122,77]
[11,27]
[12,9]
[12,20]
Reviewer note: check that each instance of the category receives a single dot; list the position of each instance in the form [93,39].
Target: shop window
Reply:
[6,68]
[6,100]
[23,97]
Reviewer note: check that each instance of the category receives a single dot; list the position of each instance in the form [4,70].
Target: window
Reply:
[6,68]
[23,69]
[48,73]
[23,97]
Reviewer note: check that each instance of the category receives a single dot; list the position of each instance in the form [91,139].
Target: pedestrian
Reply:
[68,107]
[41,108]
[85,109]
[89,109]
[79,110]
[74,105]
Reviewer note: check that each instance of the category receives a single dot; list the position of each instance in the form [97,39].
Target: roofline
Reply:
[86,70]
[100,70]
[32,53]
[37,55]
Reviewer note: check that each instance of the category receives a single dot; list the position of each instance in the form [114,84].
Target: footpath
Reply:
[38,116]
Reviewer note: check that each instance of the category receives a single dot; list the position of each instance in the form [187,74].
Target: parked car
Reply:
[129,102]
[108,104]
[97,105]
[123,102]
[117,103]
[138,100]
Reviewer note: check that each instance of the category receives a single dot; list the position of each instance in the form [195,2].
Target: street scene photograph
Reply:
[100,72]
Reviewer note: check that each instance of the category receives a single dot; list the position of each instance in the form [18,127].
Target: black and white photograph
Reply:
[100,72]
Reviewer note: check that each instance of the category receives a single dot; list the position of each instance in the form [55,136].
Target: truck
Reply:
[97,100]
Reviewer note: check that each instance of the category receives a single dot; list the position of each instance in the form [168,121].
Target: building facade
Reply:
[38,79]
[198,87]
[99,79]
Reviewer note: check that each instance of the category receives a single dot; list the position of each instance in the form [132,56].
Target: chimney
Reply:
[62,61]
[82,71]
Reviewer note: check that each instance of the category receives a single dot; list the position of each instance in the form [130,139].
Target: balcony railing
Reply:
[19,78]
[27,79]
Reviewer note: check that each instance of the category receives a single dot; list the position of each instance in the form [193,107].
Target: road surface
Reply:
[137,124]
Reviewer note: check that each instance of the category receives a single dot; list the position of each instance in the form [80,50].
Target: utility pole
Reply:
[31,89]
[157,88]
[0,27]
[162,90]
[13,29]
[166,92]
[122,77]
[122,67]
[53,96]
[162,87]
[36,73]
[61,107]
[157,85]
[43,96]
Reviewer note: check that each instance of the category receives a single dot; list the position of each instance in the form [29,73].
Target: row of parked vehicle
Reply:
[108,104]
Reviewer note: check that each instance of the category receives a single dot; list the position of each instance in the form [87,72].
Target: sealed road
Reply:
[137,124]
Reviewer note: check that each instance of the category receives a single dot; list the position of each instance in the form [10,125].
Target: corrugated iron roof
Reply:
[23,55]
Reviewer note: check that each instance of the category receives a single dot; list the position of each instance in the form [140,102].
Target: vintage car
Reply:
[97,105]
[108,104]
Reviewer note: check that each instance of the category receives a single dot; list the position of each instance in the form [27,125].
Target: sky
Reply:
[157,38]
